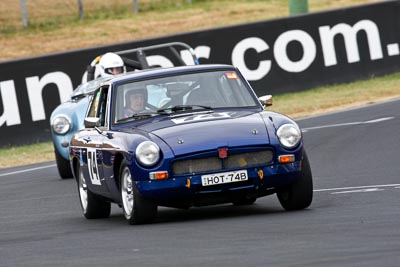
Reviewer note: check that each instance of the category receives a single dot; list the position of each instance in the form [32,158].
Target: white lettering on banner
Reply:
[10,114]
[238,58]
[200,52]
[309,50]
[164,62]
[327,36]
[393,49]
[35,88]
[158,60]
[349,34]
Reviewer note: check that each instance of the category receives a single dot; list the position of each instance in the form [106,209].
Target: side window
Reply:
[99,105]
[95,104]
[103,106]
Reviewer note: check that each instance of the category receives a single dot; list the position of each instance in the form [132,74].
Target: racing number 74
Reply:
[93,166]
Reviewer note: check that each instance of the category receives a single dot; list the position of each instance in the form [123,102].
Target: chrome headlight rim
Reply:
[289,135]
[60,129]
[147,153]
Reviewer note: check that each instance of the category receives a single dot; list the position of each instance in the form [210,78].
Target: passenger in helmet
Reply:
[111,64]
[135,102]
[105,66]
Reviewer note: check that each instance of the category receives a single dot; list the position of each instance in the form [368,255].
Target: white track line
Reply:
[315,190]
[366,190]
[28,170]
[356,187]
[383,102]
[347,124]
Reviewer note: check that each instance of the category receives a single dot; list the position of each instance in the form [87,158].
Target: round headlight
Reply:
[147,153]
[289,135]
[61,125]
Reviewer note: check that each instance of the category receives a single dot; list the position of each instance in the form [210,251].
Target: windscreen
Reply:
[219,89]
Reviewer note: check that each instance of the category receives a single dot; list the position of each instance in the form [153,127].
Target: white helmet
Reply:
[111,64]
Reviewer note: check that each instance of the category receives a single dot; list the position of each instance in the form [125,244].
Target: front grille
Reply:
[196,165]
[210,164]
[248,159]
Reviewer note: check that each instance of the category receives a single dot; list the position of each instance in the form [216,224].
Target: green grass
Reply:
[23,155]
[55,25]
[329,98]
[115,11]
[311,102]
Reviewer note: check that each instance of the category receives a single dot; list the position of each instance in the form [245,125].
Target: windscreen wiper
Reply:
[139,116]
[182,108]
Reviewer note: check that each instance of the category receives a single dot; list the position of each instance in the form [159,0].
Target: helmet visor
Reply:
[114,71]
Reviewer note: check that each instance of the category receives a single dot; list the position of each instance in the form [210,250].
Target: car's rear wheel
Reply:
[63,166]
[137,210]
[298,195]
[92,206]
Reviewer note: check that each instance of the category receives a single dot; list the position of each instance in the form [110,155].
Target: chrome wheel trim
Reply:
[83,191]
[127,193]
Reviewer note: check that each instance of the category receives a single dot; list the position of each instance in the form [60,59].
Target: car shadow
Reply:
[218,212]
[214,213]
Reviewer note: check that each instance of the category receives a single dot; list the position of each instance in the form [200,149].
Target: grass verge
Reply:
[55,25]
[312,102]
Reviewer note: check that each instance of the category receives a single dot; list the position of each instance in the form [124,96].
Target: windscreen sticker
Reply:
[231,75]
[202,117]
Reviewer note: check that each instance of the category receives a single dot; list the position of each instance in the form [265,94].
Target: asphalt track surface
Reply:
[353,220]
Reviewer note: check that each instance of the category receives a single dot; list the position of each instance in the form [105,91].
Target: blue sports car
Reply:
[68,117]
[206,140]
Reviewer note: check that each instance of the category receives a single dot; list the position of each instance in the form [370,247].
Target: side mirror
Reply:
[91,122]
[266,100]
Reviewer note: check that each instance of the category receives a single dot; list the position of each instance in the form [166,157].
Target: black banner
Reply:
[276,56]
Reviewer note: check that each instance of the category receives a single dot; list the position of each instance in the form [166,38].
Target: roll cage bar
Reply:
[141,61]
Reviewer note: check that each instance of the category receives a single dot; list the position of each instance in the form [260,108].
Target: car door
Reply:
[94,139]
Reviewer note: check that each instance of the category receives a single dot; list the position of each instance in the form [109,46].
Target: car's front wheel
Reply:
[137,210]
[298,195]
[63,166]
[92,206]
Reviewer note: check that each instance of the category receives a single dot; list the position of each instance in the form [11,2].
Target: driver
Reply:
[135,102]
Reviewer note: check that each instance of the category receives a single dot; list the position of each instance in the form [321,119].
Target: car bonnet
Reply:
[202,132]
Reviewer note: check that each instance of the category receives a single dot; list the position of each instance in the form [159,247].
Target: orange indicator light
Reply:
[286,158]
[188,183]
[261,174]
[158,175]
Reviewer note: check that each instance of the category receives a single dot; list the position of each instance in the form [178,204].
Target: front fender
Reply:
[75,111]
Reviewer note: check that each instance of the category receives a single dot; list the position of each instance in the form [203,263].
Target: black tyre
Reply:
[299,195]
[63,166]
[93,207]
[137,210]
